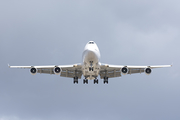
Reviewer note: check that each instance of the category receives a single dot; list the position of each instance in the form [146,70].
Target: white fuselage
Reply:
[91,64]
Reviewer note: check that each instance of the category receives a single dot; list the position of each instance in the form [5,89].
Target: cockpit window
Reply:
[91,42]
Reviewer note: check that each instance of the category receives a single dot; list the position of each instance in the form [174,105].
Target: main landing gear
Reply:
[105,80]
[75,80]
[85,81]
[95,81]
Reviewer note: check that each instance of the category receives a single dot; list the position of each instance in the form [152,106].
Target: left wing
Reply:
[64,70]
[111,71]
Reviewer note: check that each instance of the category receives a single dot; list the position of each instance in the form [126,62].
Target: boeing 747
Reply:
[91,67]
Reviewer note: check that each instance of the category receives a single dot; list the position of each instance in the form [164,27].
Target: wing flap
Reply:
[45,71]
[71,73]
[136,70]
[110,73]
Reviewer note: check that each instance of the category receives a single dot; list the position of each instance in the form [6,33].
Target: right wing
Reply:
[66,70]
[111,71]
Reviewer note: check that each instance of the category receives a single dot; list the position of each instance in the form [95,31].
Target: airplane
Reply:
[90,68]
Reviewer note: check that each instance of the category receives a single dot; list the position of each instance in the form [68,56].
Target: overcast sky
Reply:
[54,32]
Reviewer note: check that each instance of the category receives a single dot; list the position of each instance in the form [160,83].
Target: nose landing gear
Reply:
[91,66]
[91,69]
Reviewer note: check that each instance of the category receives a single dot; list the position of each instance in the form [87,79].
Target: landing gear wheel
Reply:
[95,81]
[85,81]
[91,69]
[75,80]
[105,80]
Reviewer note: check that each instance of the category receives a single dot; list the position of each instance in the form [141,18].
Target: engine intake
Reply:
[124,70]
[33,71]
[148,71]
[57,70]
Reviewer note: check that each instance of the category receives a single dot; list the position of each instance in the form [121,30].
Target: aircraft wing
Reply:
[111,71]
[66,70]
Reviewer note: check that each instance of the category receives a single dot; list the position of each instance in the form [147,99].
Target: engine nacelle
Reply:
[33,71]
[148,71]
[57,70]
[124,70]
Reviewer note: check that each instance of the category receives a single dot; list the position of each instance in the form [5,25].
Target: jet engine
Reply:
[33,71]
[124,70]
[148,71]
[57,70]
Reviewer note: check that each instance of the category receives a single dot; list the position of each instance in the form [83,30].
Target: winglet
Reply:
[172,64]
[8,65]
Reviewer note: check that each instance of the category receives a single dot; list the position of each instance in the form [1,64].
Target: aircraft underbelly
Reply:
[90,56]
[91,74]
[90,60]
